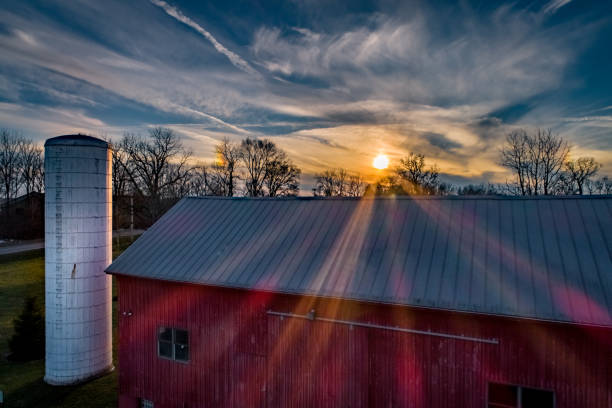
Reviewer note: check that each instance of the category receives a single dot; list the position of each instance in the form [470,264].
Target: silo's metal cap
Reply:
[76,140]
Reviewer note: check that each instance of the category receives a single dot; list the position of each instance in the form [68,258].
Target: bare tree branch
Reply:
[156,166]
[11,145]
[339,183]
[581,170]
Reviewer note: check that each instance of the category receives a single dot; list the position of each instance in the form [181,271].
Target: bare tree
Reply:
[602,185]
[327,183]
[121,177]
[514,156]
[177,187]
[11,145]
[338,183]
[554,152]
[479,189]
[256,155]
[207,181]
[226,168]
[536,161]
[415,178]
[31,167]
[355,186]
[581,170]
[155,166]
[268,169]
[282,176]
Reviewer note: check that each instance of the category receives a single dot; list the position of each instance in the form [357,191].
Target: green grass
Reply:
[23,275]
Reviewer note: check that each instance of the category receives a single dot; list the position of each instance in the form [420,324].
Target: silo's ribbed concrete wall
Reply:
[78,230]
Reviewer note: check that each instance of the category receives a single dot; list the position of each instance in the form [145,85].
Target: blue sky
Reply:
[333,84]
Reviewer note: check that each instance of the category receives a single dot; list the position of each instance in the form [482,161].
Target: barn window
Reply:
[173,344]
[146,403]
[503,396]
[532,398]
[513,396]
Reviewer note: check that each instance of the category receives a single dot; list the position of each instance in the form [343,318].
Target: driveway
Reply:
[39,244]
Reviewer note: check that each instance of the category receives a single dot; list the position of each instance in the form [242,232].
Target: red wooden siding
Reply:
[241,356]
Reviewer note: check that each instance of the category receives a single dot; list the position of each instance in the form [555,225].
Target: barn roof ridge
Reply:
[407,197]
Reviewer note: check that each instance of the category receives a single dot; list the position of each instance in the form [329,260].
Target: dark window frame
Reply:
[145,403]
[173,344]
[519,393]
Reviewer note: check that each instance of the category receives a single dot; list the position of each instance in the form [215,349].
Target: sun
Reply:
[381,162]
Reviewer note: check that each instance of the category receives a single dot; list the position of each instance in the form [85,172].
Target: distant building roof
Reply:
[539,258]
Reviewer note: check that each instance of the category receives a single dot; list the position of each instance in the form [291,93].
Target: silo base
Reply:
[76,381]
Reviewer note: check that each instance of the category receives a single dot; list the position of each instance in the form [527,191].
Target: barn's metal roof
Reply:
[540,258]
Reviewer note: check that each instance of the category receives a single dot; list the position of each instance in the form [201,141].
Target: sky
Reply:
[334,84]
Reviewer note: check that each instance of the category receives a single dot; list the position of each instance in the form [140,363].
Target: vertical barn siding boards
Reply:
[326,364]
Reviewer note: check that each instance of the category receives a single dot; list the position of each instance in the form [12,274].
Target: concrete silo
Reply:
[78,228]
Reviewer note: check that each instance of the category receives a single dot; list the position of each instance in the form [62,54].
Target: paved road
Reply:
[39,244]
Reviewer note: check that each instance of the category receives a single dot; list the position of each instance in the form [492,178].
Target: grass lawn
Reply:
[23,275]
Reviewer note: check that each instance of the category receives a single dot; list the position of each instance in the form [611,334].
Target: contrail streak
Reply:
[235,59]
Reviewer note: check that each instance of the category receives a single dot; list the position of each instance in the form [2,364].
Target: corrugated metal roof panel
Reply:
[540,258]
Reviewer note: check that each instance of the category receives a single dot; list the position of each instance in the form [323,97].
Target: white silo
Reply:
[78,228]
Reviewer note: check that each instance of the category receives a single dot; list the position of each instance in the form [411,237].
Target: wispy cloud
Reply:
[554,5]
[406,60]
[232,56]
[332,93]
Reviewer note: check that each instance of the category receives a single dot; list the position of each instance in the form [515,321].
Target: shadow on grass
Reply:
[32,391]
[22,275]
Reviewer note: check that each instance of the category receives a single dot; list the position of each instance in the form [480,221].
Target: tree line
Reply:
[156,170]
[540,163]
[21,166]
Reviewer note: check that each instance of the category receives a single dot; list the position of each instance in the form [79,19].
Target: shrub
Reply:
[28,341]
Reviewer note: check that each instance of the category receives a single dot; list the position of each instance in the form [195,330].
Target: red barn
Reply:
[386,302]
